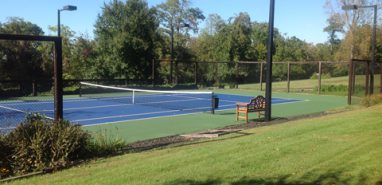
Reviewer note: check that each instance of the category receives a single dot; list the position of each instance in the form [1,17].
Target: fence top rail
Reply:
[363,60]
[64,80]
[29,37]
[252,62]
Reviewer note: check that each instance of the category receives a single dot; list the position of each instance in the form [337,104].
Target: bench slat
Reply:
[255,105]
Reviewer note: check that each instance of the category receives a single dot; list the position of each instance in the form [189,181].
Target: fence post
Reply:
[367,79]
[196,73]
[380,80]
[176,73]
[261,76]
[153,72]
[353,77]
[58,90]
[350,84]
[319,76]
[34,88]
[237,75]
[288,78]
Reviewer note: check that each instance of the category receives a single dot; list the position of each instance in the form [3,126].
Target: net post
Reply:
[80,90]
[212,103]
[133,98]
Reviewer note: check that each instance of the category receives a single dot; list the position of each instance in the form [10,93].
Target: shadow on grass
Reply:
[225,113]
[330,178]
[194,182]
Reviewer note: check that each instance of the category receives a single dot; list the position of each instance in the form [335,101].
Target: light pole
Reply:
[374,42]
[67,7]
[171,51]
[268,88]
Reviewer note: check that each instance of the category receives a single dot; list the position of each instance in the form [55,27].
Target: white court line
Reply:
[218,110]
[130,115]
[125,115]
[9,108]
[121,121]
[139,114]
[93,107]
[7,128]
[25,112]
[120,105]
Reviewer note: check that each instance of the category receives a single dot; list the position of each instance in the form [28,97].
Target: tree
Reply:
[241,37]
[259,39]
[82,58]
[68,39]
[125,36]
[21,60]
[352,20]
[177,19]
[214,45]
[335,24]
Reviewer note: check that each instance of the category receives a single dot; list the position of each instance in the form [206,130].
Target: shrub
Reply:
[332,89]
[104,144]
[38,143]
[371,100]
[5,158]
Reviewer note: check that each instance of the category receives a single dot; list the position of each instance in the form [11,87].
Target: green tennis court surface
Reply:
[137,130]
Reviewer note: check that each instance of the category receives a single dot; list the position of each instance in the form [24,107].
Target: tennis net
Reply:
[188,101]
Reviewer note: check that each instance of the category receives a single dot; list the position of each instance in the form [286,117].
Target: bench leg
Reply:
[237,114]
[246,117]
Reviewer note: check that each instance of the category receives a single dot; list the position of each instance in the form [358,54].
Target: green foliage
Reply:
[126,37]
[174,15]
[240,33]
[335,24]
[358,26]
[82,57]
[20,60]
[5,158]
[38,143]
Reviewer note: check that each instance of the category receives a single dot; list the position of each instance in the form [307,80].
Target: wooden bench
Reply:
[255,105]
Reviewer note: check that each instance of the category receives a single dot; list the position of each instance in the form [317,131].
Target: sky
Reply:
[304,19]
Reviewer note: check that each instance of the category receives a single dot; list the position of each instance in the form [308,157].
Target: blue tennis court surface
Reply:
[89,111]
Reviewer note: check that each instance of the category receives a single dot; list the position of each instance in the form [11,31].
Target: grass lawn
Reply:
[343,148]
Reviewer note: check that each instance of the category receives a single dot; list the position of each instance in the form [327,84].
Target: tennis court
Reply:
[117,107]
